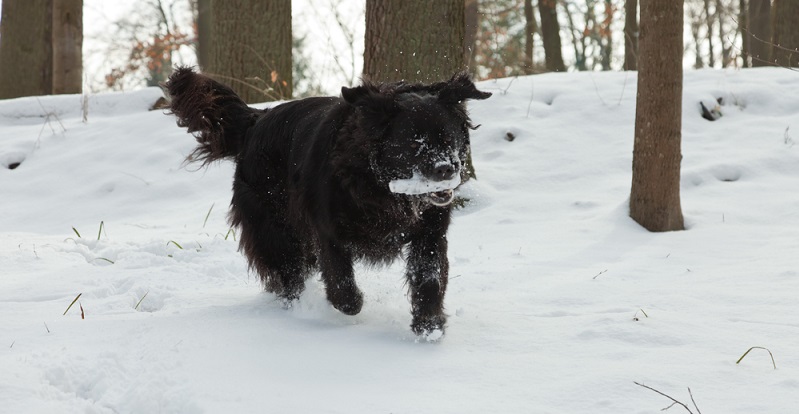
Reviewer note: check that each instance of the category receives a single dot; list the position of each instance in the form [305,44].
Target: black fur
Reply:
[311,187]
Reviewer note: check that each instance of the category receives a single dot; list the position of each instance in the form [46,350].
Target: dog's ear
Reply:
[459,89]
[369,97]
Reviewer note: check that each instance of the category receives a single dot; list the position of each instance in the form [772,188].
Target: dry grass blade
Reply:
[757,347]
[140,300]
[73,302]
[208,215]
[175,243]
[229,232]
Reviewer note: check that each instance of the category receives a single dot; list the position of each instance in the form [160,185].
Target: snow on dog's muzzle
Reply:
[438,193]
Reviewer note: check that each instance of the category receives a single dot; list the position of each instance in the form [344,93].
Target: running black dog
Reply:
[323,182]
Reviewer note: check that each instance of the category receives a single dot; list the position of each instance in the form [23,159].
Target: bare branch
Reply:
[668,396]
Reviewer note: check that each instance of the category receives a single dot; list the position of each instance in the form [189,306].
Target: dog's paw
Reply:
[347,302]
[430,329]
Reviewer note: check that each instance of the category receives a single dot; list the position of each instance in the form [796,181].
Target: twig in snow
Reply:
[505,91]
[532,94]
[597,275]
[635,317]
[672,399]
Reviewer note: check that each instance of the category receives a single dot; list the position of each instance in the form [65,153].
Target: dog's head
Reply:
[418,134]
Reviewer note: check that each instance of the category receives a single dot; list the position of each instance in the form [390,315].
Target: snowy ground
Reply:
[558,302]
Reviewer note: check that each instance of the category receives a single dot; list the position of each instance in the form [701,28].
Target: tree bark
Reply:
[471,23]
[26,50]
[631,35]
[529,31]
[743,23]
[413,40]
[67,46]
[606,33]
[785,37]
[251,48]
[711,58]
[204,34]
[655,193]
[726,47]
[760,27]
[550,32]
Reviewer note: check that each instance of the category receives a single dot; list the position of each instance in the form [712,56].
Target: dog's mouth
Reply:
[438,193]
[441,198]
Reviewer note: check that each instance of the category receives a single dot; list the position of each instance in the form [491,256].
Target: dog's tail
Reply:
[218,118]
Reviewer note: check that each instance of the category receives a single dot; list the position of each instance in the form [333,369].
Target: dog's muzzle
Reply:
[436,191]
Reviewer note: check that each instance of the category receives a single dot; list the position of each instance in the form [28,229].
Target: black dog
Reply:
[322,182]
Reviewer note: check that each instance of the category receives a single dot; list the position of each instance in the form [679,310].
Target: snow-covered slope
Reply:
[558,301]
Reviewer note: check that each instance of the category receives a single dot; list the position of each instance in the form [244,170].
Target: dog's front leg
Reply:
[337,274]
[427,272]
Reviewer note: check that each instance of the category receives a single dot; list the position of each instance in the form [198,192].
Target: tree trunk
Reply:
[631,35]
[251,48]
[67,46]
[759,33]
[785,36]
[471,22]
[606,33]
[550,32]
[415,41]
[711,58]
[655,193]
[726,50]
[26,50]
[529,31]
[204,35]
[743,23]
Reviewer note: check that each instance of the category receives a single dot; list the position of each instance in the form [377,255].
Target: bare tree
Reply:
[67,46]
[710,20]
[696,21]
[630,34]
[144,43]
[785,37]
[471,25]
[502,39]
[727,32]
[529,31]
[759,33]
[550,32]
[418,41]
[204,35]
[251,48]
[655,193]
[743,24]
[26,50]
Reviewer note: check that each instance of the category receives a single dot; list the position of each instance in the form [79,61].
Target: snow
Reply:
[558,302]
[418,184]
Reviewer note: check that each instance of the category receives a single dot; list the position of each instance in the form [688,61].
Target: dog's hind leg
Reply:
[269,244]
[337,274]
[427,272]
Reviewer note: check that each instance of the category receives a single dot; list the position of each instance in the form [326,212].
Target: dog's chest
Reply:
[380,234]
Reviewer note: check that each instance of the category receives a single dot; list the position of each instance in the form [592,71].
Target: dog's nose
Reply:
[443,171]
